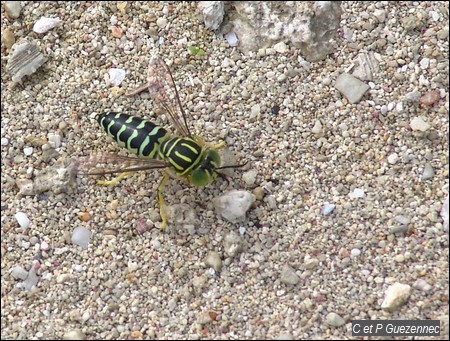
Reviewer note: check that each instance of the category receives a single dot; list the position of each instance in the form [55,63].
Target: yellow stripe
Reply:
[183,157]
[195,151]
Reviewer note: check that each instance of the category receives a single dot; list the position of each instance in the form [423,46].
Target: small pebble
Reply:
[285,336]
[357,193]
[28,151]
[428,172]
[233,244]
[249,177]
[4,141]
[281,47]
[396,296]
[355,252]
[430,98]
[234,204]
[161,22]
[417,123]
[213,260]
[22,219]
[45,24]
[334,320]
[115,76]
[231,38]
[351,87]
[75,334]
[81,236]
[402,219]
[393,158]
[258,192]
[19,273]
[398,229]
[421,284]
[413,96]
[444,213]
[328,208]
[317,129]
[288,276]
[13,9]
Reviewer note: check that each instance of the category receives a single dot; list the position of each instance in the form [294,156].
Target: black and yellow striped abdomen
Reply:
[139,136]
[183,153]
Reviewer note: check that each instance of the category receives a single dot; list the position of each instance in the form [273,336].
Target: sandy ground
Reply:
[291,272]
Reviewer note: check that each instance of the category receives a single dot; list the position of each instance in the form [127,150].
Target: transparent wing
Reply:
[108,163]
[164,93]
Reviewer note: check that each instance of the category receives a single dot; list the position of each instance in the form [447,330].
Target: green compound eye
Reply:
[213,158]
[205,173]
[201,177]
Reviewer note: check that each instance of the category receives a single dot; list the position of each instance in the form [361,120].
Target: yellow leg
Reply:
[114,181]
[202,142]
[162,205]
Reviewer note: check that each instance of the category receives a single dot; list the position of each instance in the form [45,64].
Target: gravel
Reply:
[133,281]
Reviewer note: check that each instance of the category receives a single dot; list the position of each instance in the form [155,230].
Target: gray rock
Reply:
[428,172]
[213,260]
[308,26]
[233,244]
[233,205]
[24,60]
[13,9]
[75,334]
[334,320]
[288,276]
[59,178]
[211,13]
[367,67]
[351,87]
[396,296]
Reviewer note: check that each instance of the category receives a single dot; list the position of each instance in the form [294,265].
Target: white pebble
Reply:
[231,38]
[234,204]
[75,334]
[355,252]
[249,177]
[22,219]
[116,76]
[28,151]
[444,213]
[428,172]
[404,220]
[357,193]
[54,139]
[44,24]
[317,129]
[113,20]
[417,123]
[396,295]
[424,63]
[13,8]
[161,22]
[281,47]
[44,246]
[393,158]
[19,273]
[328,208]
[5,141]
[435,15]
[421,284]
[81,236]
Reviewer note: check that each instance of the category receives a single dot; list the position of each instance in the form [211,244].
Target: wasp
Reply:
[181,155]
